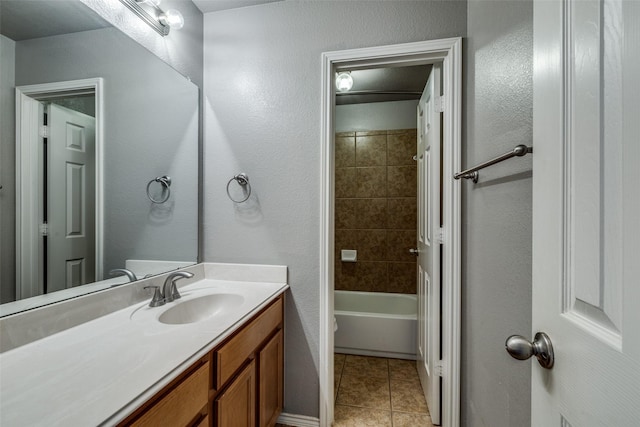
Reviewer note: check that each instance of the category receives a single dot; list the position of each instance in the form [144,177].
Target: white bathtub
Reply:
[376,324]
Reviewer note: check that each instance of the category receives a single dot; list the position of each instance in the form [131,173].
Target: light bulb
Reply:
[172,18]
[344,81]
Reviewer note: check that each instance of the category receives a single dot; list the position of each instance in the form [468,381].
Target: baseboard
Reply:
[298,420]
[375,353]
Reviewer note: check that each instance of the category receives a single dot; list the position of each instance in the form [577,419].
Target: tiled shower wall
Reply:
[375,210]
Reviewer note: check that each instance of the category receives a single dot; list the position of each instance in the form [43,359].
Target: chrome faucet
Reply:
[169,289]
[124,272]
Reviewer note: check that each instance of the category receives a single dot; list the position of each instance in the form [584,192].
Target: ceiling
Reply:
[216,5]
[46,18]
[385,85]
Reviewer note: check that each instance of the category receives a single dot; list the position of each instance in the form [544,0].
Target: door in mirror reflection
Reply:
[70,165]
[58,132]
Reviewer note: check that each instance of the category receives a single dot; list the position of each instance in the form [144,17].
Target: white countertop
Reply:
[99,372]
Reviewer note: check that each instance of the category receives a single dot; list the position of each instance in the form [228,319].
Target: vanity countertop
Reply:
[99,372]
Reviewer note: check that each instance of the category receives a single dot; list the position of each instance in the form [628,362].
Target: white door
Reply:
[70,198]
[429,244]
[586,212]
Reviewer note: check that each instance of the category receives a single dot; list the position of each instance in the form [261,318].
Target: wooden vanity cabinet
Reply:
[238,384]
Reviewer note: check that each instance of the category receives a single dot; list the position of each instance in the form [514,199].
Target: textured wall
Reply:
[496,246]
[181,49]
[376,116]
[7,171]
[262,116]
[375,210]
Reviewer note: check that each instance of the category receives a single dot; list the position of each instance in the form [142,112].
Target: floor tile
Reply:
[366,366]
[369,392]
[407,396]
[400,369]
[349,416]
[338,363]
[403,419]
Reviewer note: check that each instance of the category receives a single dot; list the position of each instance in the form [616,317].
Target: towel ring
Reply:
[165,181]
[243,180]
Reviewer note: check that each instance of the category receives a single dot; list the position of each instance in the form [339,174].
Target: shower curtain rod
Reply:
[472,173]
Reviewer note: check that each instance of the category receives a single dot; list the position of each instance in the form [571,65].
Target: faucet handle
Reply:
[158,299]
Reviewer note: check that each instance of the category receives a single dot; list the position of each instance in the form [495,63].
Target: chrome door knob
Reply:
[520,348]
[415,252]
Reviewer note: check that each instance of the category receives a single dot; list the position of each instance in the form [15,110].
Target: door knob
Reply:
[520,348]
[414,252]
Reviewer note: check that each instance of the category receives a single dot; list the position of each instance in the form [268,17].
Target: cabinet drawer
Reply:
[233,354]
[182,403]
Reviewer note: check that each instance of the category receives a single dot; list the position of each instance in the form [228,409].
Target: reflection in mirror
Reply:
[88,118]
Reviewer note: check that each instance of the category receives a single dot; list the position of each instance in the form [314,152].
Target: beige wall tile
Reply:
[345,152]
[346,278]
[371,150]
[345,214]
[402,213]
[398,244]
[371,213]
[401,181]
[372,245]
[372,276]
[401,148]
[371,182]
[345,182]
[402,277]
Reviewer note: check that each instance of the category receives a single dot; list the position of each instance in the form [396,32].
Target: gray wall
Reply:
[496,249]
[262,116]
[376,116]
[150,129]
[7,171]
[182,49]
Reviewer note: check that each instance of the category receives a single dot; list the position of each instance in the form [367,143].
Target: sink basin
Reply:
[199,308]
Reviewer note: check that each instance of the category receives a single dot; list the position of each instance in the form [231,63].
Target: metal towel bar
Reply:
[472,173]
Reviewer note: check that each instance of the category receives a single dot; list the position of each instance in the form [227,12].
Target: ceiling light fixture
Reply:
[151,13]
[344,81]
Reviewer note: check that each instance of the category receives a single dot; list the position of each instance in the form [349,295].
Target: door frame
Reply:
[29,179]
[449,52]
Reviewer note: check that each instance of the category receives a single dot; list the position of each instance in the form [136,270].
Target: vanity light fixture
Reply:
[344,81]
[151,13]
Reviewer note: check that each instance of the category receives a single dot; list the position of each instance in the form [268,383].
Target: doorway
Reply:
[59,186]
[448,53]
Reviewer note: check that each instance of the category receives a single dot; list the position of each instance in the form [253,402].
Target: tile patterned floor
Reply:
[378,392]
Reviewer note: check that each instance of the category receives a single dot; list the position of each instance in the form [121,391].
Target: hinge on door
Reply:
[44,229]
[44,131]
[440,368]
[439,104]
[440,235]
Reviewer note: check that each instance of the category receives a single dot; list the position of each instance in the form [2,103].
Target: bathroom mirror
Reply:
[89,120]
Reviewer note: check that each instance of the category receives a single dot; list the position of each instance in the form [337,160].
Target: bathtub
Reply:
[375,324]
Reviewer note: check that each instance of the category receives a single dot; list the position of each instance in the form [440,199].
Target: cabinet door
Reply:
[181,405]
[270,382]
[236,405]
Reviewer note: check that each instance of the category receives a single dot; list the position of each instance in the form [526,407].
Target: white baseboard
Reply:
[298,420]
